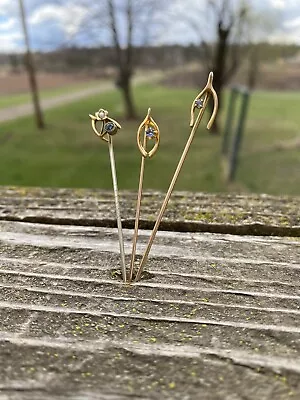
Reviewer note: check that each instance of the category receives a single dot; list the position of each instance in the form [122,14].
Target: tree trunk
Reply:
[218,70]
[31,72]
[124,83]
[34,91]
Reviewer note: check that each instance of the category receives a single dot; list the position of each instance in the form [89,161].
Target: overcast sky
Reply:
[53,23]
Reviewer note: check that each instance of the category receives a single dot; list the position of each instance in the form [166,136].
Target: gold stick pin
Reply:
[150,131]
[200,102]
[110,127]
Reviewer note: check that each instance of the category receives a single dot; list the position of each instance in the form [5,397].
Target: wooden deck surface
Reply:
[217,317]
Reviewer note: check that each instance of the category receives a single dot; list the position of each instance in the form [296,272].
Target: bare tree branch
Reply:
[113,26]
[129,34]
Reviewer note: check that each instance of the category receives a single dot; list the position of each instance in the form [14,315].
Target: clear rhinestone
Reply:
[150,132]
[199,103]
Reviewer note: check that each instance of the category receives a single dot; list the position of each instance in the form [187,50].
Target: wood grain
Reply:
[217,316]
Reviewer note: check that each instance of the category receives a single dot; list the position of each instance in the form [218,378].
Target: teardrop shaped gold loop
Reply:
[109,126]
[151,131]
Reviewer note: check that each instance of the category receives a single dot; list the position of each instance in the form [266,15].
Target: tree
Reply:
[125,25]
[124,56]
[29,62]
[229,23]
[138,19]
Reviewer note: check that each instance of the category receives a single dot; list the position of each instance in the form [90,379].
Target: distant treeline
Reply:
[88,59]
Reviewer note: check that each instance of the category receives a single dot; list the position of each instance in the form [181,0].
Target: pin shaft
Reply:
[171,187]
[118,214]
[137,215]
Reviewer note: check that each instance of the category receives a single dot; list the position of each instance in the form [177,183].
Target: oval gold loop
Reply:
[151,131]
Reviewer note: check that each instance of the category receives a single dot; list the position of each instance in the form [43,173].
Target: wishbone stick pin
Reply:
[110,127]
[150,131]
[200,103]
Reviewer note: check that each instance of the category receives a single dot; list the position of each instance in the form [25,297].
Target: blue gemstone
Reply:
[109,126]
[199,103]
[150,132]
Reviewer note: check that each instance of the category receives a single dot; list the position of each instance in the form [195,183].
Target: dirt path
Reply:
[22,110]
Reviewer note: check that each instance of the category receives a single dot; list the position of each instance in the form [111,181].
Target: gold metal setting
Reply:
[151,131]
[201,101]
[109,126]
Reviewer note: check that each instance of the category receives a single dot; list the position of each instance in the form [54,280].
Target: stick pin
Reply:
[200,103]
[110,127]
[150,131]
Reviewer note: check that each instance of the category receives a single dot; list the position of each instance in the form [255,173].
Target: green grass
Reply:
[23,98]
[273,118]
[68,154]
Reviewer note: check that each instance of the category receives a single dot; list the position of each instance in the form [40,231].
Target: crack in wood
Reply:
[253,229]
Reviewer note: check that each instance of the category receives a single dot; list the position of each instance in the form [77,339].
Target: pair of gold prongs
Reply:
[151,131]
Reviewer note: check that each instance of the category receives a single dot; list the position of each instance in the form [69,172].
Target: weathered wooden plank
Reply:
[223,213]
[217,317]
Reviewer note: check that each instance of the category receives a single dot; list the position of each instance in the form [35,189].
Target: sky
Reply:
[56,23]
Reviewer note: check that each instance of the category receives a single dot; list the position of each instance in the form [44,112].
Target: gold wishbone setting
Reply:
[201,101]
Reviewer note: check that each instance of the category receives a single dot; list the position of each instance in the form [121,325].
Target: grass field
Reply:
[68,154]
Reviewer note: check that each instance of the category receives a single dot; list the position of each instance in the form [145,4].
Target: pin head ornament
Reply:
[201,101]
[108,125]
